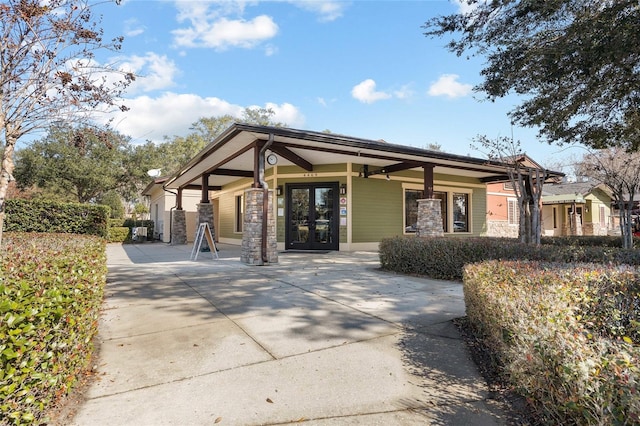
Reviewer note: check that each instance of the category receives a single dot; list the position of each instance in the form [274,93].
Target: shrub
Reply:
[445,258]
[51,288]
[543,321]
[119,234]
[55,217]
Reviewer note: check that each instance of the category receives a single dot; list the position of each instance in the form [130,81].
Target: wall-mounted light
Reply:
[343,189]
[279,191]
[388,178]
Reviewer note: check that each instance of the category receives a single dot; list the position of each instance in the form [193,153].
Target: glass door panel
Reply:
[299,215]
[311,216]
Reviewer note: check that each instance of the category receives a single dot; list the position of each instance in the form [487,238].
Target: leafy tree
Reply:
[114,201]
[618,170]
[527,181]
[75,164]
[575,61]
[48,71]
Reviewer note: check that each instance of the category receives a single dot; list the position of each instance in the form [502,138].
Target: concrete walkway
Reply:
[324,339]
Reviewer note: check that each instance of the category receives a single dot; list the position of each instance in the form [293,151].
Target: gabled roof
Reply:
[232,155]
[570,192]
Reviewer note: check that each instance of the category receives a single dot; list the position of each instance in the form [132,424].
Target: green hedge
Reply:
[51,289]
[550,327]
[586,240]
[445,258]
[119,234]
[55,217]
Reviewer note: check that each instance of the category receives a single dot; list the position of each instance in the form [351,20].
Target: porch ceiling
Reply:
[232,155]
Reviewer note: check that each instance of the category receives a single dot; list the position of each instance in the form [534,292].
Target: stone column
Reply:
[429,218]
[252,229]
[178,227]
[576,224]
[205,215]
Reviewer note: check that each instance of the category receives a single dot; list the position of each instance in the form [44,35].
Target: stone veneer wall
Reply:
[178,227]
[429,218]
[502,229]
[252,229]
[205,215]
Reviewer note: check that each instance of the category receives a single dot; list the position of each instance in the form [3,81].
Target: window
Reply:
[460,212]
[411,197]
[239,212]
[603,223]
[555,218]
[513,212]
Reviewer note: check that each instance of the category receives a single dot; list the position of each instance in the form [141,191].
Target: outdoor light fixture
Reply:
[343,189]
[388,178]
[279,191]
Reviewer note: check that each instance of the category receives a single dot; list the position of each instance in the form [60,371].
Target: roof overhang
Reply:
[233,155]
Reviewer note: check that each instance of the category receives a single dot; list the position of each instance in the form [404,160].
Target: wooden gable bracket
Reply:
[286,153]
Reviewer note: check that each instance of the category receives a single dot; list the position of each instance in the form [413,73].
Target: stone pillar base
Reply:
[205,215]
[252,229]
[178,227]
[429,218]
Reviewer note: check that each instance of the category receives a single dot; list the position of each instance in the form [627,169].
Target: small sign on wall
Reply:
[343,201]
[343,211]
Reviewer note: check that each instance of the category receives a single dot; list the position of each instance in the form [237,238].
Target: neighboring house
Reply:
[162,204]
[503,213]
[503,216]
[576,208]
[328,191]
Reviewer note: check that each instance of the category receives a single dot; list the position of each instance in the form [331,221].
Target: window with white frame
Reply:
[513,211]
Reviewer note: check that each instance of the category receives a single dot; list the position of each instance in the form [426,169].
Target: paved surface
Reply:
[319,339]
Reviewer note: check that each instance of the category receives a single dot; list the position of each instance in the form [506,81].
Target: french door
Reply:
[312,216]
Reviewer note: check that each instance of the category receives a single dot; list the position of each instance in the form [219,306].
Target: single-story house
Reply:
[576,208]
[326,191]
[503,213]
[162,204]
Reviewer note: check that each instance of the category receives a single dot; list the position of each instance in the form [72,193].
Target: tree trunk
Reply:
[6,174]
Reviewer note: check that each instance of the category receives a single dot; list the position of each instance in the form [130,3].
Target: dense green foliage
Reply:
[76,164]
[445,258]
[51,289]
[54,217]
[580,77]
[119,234]
[567,337]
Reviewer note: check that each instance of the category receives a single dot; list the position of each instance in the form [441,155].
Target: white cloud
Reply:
[209,26]
[286,113]
[172,114]
[448,85]
[366,92]
[464,7]
[327,10]
[405,92]
[153,71]
[132,28]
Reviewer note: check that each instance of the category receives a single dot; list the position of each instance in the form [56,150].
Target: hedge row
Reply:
[55,217]
[550,327]
[445,258]
[51,289]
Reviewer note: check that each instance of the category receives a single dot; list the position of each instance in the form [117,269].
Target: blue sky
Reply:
[359,68]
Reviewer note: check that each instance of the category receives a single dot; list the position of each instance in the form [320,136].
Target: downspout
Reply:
[265,197]
[171,213]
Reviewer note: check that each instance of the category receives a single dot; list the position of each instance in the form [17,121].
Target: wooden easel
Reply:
[204,232]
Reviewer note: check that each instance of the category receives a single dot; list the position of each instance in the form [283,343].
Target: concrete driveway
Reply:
[319,338]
